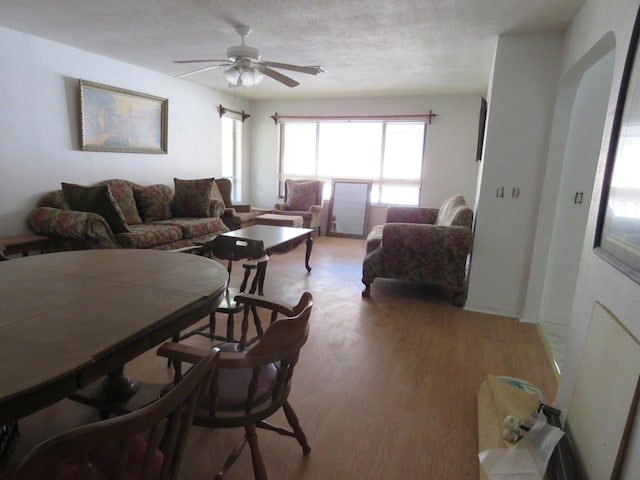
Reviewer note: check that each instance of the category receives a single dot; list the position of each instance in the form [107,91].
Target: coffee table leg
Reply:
[308,254]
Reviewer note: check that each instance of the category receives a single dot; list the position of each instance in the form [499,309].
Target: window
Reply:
[231,141]
[390,153]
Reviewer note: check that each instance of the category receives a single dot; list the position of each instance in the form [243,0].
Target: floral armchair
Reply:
[303,198]
[419,244]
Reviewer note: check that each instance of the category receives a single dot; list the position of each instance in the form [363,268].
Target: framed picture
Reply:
[481,126]
[618,228]
[118,120]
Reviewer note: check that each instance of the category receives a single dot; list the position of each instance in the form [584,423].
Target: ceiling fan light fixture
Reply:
[243,75]
[250,76]
[232,75]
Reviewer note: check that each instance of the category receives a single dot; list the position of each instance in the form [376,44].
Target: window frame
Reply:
[236,163]
[378,182]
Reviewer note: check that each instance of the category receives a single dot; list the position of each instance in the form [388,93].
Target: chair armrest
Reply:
[260,301]
[280,206]
[182,352]
[315,208]
[242,207]
[64,223]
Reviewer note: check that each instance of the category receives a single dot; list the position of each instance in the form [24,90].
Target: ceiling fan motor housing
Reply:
[239,51]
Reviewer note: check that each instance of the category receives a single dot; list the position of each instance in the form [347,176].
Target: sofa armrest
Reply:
[56,222]
[280,206]
[424,215]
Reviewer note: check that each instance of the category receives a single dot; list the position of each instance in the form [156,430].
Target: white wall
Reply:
[598,280]
[450,165]
[39,125]
[551,200]
[578,173]
[520,109]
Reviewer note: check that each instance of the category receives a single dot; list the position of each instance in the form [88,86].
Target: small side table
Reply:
[24,244]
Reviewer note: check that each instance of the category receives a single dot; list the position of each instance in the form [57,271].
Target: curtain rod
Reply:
[242,114]
[277,117]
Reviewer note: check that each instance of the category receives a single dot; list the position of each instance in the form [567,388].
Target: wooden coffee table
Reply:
[277,240]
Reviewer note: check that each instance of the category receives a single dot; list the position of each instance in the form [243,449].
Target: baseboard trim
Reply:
[547,349]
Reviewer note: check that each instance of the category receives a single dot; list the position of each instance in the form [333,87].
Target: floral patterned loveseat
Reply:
[419,244]
[155,216]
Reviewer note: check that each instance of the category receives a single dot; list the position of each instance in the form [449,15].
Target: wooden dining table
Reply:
[67,319]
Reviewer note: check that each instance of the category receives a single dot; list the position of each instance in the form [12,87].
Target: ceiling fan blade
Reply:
[199,61]
[200,70]
[311,70]
[289,82]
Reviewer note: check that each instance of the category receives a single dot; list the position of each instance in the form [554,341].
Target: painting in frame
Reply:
[117,120]
[618,228]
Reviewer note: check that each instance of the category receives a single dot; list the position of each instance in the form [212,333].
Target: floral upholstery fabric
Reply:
[56,222]
[53,199]
[149,235]
[301,195]
[105,463]
[195,227]
[192,197]
[307,194]
[74,230]
[421,252]
[411,215]
[154,202]
[122,192]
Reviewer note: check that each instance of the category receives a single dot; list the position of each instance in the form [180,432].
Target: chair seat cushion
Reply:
[233,383]
[104,461]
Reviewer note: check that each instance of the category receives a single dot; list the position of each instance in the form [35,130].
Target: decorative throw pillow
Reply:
[96,199]
[192,197]
[154,202]
[123,194]
[217,194]
[301,195]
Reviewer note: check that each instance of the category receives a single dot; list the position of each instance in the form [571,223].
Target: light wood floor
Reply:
[385,388]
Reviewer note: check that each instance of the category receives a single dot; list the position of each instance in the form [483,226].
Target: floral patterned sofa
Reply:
[131,215]
[419,244]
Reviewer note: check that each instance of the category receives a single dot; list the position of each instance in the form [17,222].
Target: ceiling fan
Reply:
[246,68]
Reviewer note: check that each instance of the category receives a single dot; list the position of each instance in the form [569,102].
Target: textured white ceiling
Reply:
[368,47]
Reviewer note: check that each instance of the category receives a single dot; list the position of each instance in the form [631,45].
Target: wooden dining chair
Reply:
[254,383]
[231,249]
[144,445]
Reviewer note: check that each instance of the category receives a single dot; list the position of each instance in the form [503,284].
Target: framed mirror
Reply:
[349,208]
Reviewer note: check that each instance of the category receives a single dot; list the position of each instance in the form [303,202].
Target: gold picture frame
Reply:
[113,119]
